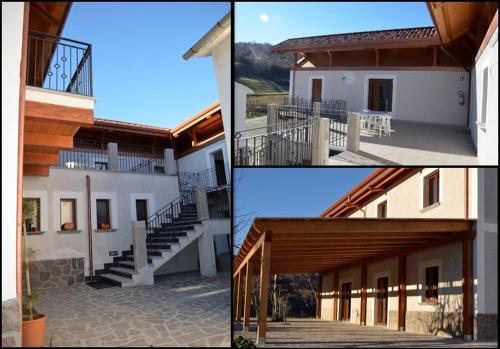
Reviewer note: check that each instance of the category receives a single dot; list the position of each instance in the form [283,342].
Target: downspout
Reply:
[466,193]
[89,228]
[470,77]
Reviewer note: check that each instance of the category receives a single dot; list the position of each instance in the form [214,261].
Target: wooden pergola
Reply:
[328,245]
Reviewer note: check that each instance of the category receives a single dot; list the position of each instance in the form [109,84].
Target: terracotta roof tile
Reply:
[361,37]
[109,122]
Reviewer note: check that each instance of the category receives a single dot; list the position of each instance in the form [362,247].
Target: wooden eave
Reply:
[204,114]
[322,245]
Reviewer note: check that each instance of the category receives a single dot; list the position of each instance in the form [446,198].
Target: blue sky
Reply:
[287,20]
[138,70]
[294,192]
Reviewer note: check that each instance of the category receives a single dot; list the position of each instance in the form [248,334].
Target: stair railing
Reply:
[171,212]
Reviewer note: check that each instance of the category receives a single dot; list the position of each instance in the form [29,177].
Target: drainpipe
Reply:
[466,193]
[470,77]
[89,228]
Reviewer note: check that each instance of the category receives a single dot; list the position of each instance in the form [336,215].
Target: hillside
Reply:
[261,70]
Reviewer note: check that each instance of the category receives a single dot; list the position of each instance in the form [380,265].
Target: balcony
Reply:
[59,64]
[113,157]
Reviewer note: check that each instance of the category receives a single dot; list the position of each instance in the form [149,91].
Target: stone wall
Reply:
[486,327]
[56,273]
[393,320]
[436,323]
[11,323]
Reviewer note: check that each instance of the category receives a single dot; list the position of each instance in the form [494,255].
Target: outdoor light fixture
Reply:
[344,78]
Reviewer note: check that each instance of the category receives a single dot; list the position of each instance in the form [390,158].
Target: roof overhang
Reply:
[199,117]
[211,39]
[300,245]
[130,127]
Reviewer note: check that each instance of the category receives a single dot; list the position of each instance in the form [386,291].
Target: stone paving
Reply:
[180,310]
[314,333]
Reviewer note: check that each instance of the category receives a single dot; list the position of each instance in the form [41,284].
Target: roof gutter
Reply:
[209,37]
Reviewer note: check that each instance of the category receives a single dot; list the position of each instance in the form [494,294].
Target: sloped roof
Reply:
[129,126]
[406,35]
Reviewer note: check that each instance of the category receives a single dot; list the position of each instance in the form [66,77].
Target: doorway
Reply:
[381,301]
[141,209]
[317,90]
[345,301]
[220,169]
[380,94]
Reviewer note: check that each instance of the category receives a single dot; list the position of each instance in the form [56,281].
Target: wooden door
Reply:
[345,304]
[317,88]
[380,94]
[381,301]
[141,208]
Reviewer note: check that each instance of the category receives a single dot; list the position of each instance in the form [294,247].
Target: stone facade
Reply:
[11,323]
[436,323]
[393,320]
[56,273]
[486,327]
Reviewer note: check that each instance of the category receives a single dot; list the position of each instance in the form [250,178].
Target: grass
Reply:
[257,103]
[261,85]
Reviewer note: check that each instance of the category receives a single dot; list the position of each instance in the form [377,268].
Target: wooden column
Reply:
[318,297]
[363,293]
[235,295]
[237,316]
[330,58]
[402,294]
[467,324]
[265,266]
[239,306]
[248,296]
[335,294]
[294,60]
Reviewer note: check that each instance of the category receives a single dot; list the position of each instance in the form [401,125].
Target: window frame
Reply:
[434,176]
[108,212]
[38,215]
[381,205]
[426,298]
[75,222]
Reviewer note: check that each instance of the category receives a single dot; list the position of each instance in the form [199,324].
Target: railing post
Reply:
[113,156]
[170,163]
[320,137]
[316,109]
[272,117]
[353,132]
[201,203]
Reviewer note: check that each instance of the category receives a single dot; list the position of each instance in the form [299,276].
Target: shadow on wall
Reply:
[445,322]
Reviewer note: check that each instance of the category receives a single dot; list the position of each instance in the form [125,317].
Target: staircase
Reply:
[169,231]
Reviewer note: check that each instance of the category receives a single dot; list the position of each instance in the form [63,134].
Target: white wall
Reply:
[222,62]
[240,106]
[121,188]
[420,96]
[485,135]
[12,29]
[186,260]
[201,160]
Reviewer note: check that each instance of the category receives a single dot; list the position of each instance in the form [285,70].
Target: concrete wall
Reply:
[420,96]
[240,106]
[186,260]
[12,30]
[410,192]
[201,159]
[485,134]
[121,188]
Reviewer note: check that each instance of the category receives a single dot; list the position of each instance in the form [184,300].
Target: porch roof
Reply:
[302,245]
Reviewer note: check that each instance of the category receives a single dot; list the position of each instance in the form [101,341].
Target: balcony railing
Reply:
[210,179]
[60,64]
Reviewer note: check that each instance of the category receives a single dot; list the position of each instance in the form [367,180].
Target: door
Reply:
[220,170]
[141,208]
[317,88]
[380,94]
[345,303]
[381,301]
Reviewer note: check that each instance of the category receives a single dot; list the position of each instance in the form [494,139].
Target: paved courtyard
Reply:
[320,333]
[181,310]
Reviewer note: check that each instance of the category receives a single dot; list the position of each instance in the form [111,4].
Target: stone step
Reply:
[167,234]
[125,272]
[117,279]
[127,264]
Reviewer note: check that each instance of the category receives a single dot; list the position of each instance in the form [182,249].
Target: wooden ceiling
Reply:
[302,245]
[462,26]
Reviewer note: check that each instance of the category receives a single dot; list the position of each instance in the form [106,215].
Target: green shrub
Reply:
[241,342]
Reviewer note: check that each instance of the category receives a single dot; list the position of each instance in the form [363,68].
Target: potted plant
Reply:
[68,226]
[33,323]
[104,226]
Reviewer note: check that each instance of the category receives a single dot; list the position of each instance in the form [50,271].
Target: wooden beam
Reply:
[377,58]
[248,296]
[32,170]
[250,254]
[434,61]
[364,277]
[43,159]
[402,294]
[59,114]
[47,140]
[330,58]
[294,60]
[318,297]
[265,266]
[468,314]
[335,294]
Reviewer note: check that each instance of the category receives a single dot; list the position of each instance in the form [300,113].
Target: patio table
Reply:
[380,120]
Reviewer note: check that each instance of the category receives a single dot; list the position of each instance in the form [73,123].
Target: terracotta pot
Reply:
[68,226]
[104,226]
[34,332]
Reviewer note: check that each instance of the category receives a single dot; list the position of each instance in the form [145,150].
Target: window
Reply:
[141,209]
[382,210]
[431,283]
[33,222]
[68,214]
[101,165]
[158,169]
[103,218]
[431,189]
[484,101]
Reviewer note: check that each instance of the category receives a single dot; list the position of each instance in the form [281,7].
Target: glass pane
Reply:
[141,210]
[67,212]
[102,212]
[33,222]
